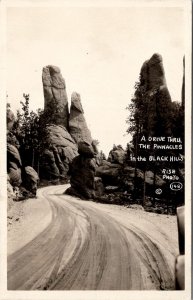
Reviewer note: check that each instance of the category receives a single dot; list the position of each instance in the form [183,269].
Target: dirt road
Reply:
[93,246]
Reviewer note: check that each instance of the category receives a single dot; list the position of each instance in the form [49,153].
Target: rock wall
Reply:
[14,165]
[59,153]
[20,178]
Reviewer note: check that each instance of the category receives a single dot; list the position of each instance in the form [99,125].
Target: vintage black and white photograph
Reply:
[96,129]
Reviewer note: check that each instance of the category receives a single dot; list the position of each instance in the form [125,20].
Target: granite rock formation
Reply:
[86,149]
[152,73]
[60,151]
[83,182]
[13,157]
[153,84]
[117,155]
[109,172]
[18,176]
[55,96]
[10,119]
[77,123]
[64,130]
[14,165]
[30,180]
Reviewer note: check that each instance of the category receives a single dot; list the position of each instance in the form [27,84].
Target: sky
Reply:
[100,51]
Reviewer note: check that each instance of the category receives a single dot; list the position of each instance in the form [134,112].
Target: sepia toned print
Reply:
[97,188]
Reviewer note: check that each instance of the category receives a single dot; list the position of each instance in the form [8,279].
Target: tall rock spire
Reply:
[77,124]
[157,96]
[55,97]
[153,75]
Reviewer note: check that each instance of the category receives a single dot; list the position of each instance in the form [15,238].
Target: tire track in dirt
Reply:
[84,248]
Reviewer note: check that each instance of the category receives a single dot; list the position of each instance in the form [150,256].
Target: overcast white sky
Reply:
[100,51]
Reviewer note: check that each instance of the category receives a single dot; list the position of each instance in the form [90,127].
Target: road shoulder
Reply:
[26,220]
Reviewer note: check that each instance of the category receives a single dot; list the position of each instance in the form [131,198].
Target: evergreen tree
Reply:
[29,134]
[150,115]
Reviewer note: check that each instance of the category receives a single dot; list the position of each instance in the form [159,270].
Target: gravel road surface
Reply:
[91,246]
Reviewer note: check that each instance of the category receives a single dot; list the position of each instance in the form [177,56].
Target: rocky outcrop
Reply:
[117,155]
[83,182]
[152,73]
[58,135]
[109,172]
[77,123]
[21,181]
[127,178]
[55,96]
[152,79]
[10,119]
[64,130]
[59,153]
[153,85]
[82,173]
[14,165]
[30,180]
[85,149]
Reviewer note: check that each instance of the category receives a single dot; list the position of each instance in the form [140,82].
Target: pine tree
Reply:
[150,115]
[29,134]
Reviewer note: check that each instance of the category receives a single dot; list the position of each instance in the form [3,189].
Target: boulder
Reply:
[85,149]
[109,172]
[10,119]
[55,96]
[129,171]
[149,178]
[117,155]
[30,180]
[11,139]
[13,155]
[48,167]
[13,165]
[82,171]
[77,124]
[15,176]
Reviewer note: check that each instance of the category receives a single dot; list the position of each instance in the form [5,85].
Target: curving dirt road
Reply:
[93,246]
